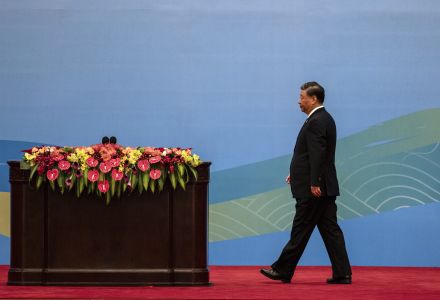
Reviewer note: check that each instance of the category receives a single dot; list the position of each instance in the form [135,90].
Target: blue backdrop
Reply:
[223,77]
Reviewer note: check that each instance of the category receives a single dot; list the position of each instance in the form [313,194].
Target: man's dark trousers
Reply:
[311,212]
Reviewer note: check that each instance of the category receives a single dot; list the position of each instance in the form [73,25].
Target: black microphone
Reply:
[105,140]
[113,140]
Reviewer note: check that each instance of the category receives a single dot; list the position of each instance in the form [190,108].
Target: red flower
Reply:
[57,157]
[27,151]
[171,168]
[52,174]
[40,169]
[63,165]
[114,162]
[117,175]
[155,159]
[143,165]
[103,186]
[105,167]
[91,162]
[155,174]
[93,175]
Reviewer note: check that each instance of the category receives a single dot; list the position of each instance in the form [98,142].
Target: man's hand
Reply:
[316,191]
[288,179]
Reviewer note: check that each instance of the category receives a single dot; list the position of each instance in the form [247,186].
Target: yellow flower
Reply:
[196,160]
[72,157]
[133,156]
[29,157]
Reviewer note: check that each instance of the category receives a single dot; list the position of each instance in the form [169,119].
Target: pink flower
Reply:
[93,175]
[114,162]
[64,165]
[91,162]
[57,156]
[52,174]
[155,174]
[117,175]
[107,151]
[155,159]
[143,165]
[103,186]
[105,167]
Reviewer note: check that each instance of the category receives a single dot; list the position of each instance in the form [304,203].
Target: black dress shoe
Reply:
[340,280]
[274,275]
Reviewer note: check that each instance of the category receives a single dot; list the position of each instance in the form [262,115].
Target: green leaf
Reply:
[140,184]
[39,181]
[81,186]
[107,198]
[52,184]
[33,170]
[78,189]
[89,188]
[181,169]
[124,186]
[145,180]
[68,149]
[181,182]
[112,187]
[134,181]
[161,183]
[164,174]
[118,188]
[173,180]
[60,180]
[86,180]
[194,172]
[73,178]
[153,185]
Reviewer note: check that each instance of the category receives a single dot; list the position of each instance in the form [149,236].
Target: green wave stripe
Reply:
[255,215]
[387,167]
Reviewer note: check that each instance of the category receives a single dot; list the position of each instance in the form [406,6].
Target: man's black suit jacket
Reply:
[313,161]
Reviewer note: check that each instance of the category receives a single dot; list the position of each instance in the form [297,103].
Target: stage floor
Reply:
[238,282]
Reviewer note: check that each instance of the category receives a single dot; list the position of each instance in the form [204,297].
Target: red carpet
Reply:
[246,283]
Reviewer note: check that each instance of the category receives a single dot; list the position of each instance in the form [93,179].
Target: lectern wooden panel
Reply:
[147,239]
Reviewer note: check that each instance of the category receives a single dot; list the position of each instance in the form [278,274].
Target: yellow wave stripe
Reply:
[5,222]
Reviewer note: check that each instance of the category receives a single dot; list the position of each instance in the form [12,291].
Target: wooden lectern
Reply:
[148,239]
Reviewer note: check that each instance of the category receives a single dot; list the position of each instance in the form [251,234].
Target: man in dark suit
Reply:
[314,185]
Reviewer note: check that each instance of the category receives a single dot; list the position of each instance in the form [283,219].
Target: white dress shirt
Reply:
[315,109]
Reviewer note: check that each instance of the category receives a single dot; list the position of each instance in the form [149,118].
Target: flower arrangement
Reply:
[110,169]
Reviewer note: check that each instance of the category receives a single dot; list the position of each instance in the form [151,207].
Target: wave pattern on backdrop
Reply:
[390,166]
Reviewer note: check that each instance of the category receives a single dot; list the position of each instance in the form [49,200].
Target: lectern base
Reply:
[147,239]
[109,277]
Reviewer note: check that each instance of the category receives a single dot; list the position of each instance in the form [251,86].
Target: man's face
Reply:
[306,103]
